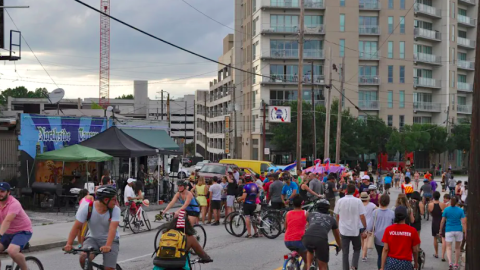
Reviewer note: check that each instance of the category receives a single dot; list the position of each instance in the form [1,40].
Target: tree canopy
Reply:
[129,96]
[22,92]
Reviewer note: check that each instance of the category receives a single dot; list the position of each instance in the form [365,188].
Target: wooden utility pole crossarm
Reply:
[300,81]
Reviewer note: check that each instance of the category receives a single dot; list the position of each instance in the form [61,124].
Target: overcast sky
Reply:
[65,37]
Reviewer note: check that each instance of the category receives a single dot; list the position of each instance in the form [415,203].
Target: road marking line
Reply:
[132,259]
[331,243]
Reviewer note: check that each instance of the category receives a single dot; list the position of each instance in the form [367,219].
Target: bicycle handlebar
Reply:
[200,260]
[90,250]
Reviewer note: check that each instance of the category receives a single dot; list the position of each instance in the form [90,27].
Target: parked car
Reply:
[200,164]
[258,166]
[186,162]
[244,170]
[210,170]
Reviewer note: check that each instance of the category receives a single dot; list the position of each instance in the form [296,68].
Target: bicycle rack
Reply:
[13,45]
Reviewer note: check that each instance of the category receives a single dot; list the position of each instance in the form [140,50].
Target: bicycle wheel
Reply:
[122,219]
[227,223]
[161,230]
[135,223]
[32,263]
[238,226]
[200,235]
[146,221]
[291,264]
[270,226]
[118,267]
[426,211]
[125,219]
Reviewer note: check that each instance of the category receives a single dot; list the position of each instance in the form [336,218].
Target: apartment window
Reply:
[462,34]
[368,49]
[462,100]
[453,32]
[390,49]
[342,47]
[452,78]
[254,97]
[390,120]
[284,23]
[342,3]
[254,50]
[452,10]
[401,121]
[462,78]
[402,4]
[253,123]
[368,24]
[452,55]
[402,99]
[422,120]
[461,56]
[423,25]
[390,99]
[402,49]
[254,27]
[452,99]
[462,12]
[342,22]
[402,74]
[390,74]
[254,5]
[390,24]
[390,4]
[313,20]
[402,25]
[253,75]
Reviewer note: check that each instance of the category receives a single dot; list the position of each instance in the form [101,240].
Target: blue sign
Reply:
[42,133]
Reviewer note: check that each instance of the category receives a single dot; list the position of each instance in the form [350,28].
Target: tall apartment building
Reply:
[217,132]
[406,61]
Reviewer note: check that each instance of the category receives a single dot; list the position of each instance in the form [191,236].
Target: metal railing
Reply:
[314,29]
[425,33]
[466,42]
[369,104]
[466,20]
[464,86]
[369,55]
[426,82]
[428,10]
[427,106]
[293,79]
[268,28]
[369,30]
[466,64]
[368,80]
[464,109]
[286,102]
[369,5]
[427,58]
[316,4]
[293,53]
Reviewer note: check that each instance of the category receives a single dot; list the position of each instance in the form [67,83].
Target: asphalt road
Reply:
[228,252]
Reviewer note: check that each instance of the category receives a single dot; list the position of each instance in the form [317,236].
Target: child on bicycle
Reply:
[295,223]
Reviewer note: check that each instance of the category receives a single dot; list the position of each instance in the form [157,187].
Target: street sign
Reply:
[266,151]
[227,134]
[279,114]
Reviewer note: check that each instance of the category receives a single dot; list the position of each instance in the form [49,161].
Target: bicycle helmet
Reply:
[106,192]
[248,178]
[372,187]
[323,206]
[182,183]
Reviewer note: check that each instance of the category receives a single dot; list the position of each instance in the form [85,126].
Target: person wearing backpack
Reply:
[103,234]
[175,242]
[418,209]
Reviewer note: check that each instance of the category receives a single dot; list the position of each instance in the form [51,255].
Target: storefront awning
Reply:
[155,138]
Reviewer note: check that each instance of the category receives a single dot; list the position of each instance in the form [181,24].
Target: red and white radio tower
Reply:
[104,91]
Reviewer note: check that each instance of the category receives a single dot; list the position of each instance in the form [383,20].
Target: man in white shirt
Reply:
[216,199]
[350,214]
[129,195]
[236,174]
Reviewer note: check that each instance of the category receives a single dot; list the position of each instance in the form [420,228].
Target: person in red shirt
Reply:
[266,187]
[401,242]
[295,224]
[356,194]
[428,176]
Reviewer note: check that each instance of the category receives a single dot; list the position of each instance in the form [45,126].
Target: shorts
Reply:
[249,209]
[230,200]
[388,186]
[216,205]
[332,203]
[110,258]
[19,239]
[454,236]
[396,264]
[277,205]
[427,195]
[417,180]
[295,246]
[193,213]
[224,199]
[397,180]
[319,246]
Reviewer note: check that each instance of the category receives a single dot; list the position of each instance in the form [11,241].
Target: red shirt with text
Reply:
[401,238]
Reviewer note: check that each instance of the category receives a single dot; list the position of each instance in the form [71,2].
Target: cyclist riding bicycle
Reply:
[249,197]
[427,191]
[16,229]
[315,238]
[190,204]
[103,217]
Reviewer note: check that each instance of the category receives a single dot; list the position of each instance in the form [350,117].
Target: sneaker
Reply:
[216,224]
[450,267]
[456,267]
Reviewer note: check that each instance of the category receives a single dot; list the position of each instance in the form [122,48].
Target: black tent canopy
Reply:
[116,143]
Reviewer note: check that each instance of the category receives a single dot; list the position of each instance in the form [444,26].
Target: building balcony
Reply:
[369,30]
[368,80]
[468,2]
[286,102]
[427,106]
[285,30]
[466,43]
[369,5]
[293,54]
[370,105]
[426,82]
[464,109]
[427,34]
[428,10]
[292,4]
[292,79]
[466,21]
[468,65]
[465,87]
[427,58]
[368,56]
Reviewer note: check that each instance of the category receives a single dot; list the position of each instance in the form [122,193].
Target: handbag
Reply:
[371,235]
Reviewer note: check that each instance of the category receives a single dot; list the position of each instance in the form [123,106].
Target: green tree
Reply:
[129,96]
[410,138]
[22,92]
[460,138]
[439,141]
[190,149]
[374,135]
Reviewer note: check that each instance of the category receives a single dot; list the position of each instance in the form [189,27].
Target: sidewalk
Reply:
[55,235]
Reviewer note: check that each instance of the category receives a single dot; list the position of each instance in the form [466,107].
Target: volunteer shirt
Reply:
[21,222]
[287,190]
[401,238]
[454,217]
[216,190]
[387,180]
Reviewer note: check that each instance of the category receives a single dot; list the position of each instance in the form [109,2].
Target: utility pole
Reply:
[235,123]
[300,94]
[205,154]
[326,152]
[162,103]
[339,114]
[185,140]
[448,132]
[264,129]
[2,26]
[473,234]
[314,156]
[168,114]
[194,129]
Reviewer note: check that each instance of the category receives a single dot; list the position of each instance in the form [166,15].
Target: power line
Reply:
[199,11]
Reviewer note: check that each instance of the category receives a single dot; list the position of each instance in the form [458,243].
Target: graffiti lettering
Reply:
[53,135]
[84,135]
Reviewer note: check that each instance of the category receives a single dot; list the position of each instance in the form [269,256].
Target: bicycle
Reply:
[200,233]
[197,261]
[32,262]
[426,214]
[293,260]
[89,264]
[266,223]
[135,222]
